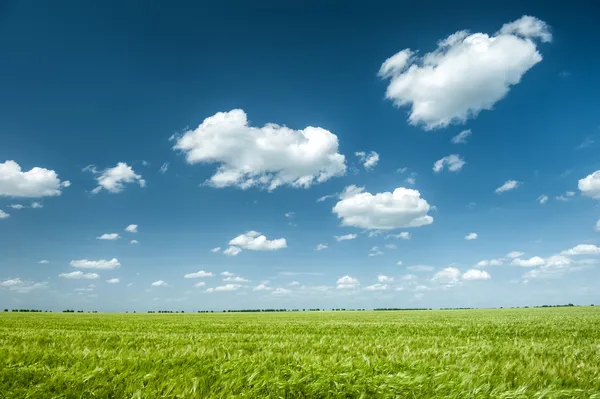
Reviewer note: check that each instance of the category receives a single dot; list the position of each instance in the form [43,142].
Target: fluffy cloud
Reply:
[347,282]
[453,162]
[491,262]
[448,276]
[321,247]
[543,199]
[198,274]
[113,281]
[385,211]
[375,252]
[114,179]
[109,236]
[253,241]
[37,182]
[471,236]
[96,264]
[590,185]
[227,274]
[376,287]
[77,275]
[159,283]
[384,279]
[474,274]
[556,266]
[200,284]
[132,228]
[461,138]
[226,287]
[466,74]
[17,206]
[582,249]
[268,156]
[20,286]
[507,186]
[215,250]
[36,205]
[134,242]
[3,215]
[514,254]
[236,279]
[262,287]
[531,262]
[368,160]
[345,237]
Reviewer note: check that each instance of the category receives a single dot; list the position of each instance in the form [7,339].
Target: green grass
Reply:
[521,353]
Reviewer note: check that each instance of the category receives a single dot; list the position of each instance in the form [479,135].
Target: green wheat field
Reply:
[501,353]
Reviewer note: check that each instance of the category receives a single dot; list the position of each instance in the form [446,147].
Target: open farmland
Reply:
[504,353]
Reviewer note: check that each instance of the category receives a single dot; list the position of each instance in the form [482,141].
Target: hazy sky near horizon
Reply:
[254,155]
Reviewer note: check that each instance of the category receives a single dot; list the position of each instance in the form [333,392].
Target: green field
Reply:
[504,353]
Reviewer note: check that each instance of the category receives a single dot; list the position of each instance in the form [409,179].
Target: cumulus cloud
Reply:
[236,279]
[321,246]
[531,262]
[21,286]
[36,205]
[467,73]
[96,264]
[347,282]
[34,183]
[109,236]
[132,228]
[198,274]
[113,281]
[200,284]
[385,211]
[491,262]
[3,215]
[507,186]
[262,287]
[448,276]
[514,254]
[556,266]
[159,283]
[268,156]
[453,162]
[582,249]
[369,160]
[227,274]
[114,179]
[474,274]
[471,236]
[17,206]
[77,275]
[226,287]
[590,185]
[345,237]
[254,241]
[461,138]
[543,199]
[134,242]
[384,279]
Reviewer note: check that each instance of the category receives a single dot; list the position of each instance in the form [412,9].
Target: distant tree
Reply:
[6,310]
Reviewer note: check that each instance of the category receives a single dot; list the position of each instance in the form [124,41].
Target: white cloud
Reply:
[216,249]
[447,276]
[17,206]
[453,162]
[556,266]
[114,179]
[543,199]
[461,138]
[466,74]
[376,287]
[399,263]
[507,186]
[405,235]
[325,197]
[590,185]
[232,251]
[43,262]
[226,287]
[597,226]
[384,279]
[262,287]
[411,180]
[164,167]
[134,242]
[198,274]
[79,275]
[21,286]
[347,282]
[375,252]
[294,283]
[582,249]
[345,237]
[200,284]
[254,241]
[96,264]
[159,283]
[471,236]
[514,254]
[385,211]
[290,215]
[113,281]
[531,262]
[474,274]
[227,274]
[36,205]
[132,228]
[491,262]
[321,246]
[351,191]
[368,160]
[236,279]
[109,236]
[35,183]
[420,268]
[391,246]
[3,215]
[268,156]
[281,291]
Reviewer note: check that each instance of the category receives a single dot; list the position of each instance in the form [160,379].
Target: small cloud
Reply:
[375,252]
[368,160]
[325,197]
[132,228]
[531,262]
[399,263]
[281,291]
[17,206]
[134,242]
[4,215]
[473,274]
[164,167]
[43,262]
[347,282]
[345,237]
[227,274]
[582,249]
[36,205]
[96,264]
[236,279]
[376,287]
[290,215]
[514,254]
[453,162]
[391,246]
[461,138]
[113,281]
[543,199]
[321,247]
[232,251]
[420,268]
[226,287]
[198,274]
[109,236]
[215,250]
[507,186]
[471,236]
[77,275]
[405,235]
[159,283]
[384,279]
[200,284]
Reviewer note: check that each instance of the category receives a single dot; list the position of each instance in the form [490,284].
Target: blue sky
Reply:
[222,126]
